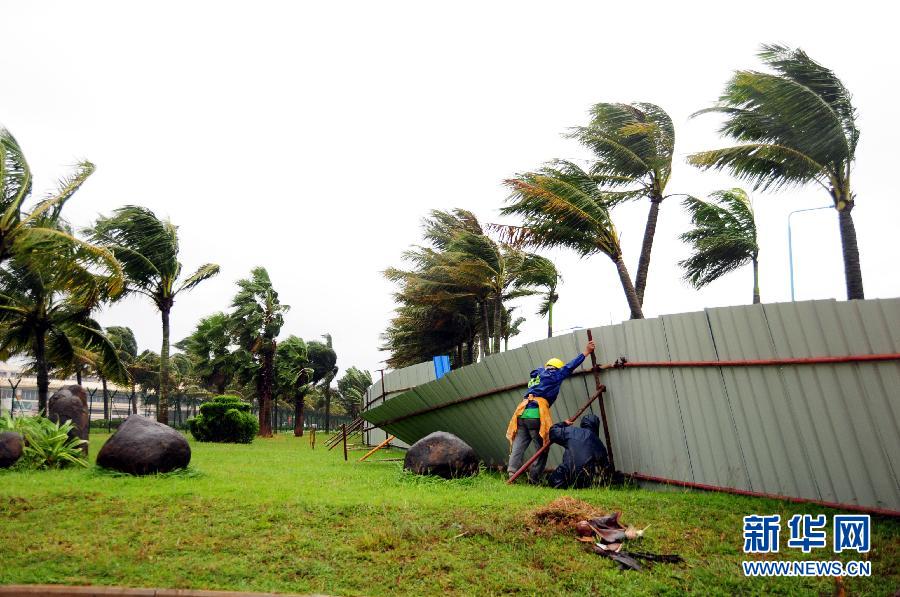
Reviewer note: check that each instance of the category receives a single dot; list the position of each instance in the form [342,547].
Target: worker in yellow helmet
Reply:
[532,420]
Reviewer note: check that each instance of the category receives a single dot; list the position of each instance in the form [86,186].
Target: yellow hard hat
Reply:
[555,363]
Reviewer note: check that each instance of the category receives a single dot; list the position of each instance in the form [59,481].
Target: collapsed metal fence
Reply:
[796,400]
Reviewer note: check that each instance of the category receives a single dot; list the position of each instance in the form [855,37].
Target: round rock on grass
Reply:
[442,454]
[69,403]
[10,448]
[142,446]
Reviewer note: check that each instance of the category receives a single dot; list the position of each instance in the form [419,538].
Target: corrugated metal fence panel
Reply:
[766,415]
[395,383]
[852,459]
[708,418]
[827,432]
[643,407]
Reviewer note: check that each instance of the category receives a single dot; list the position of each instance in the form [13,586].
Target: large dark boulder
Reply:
[442,454]
[69,403]
[142,446]
[10,448]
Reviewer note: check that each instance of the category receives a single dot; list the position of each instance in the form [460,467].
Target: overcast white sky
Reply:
[312,138]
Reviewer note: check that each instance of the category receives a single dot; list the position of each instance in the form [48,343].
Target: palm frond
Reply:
[15,178]
[765,166]
[204,272]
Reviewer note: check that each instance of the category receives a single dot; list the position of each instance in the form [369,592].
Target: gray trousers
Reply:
[528,431]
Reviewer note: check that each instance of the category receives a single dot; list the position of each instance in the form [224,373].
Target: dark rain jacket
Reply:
[546,382]
[585,454]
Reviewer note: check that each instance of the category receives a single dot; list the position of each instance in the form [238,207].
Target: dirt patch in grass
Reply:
[560,515]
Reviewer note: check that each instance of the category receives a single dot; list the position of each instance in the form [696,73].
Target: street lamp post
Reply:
[790,243]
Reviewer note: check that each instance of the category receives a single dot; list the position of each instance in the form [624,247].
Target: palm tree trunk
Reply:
[486,335]
[265,395]
[630,293]
[40,362]
[852,272]
[498,306]
[644,262]
[133,399]
[162,407]
[78,375]
[298,415]
[755,281]
[550,318]
[470,350]
[105,399]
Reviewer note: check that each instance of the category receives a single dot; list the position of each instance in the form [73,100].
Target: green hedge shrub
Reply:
[224,419]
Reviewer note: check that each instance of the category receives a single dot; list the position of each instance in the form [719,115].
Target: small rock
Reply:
[442,454]
[142,446]
[69,403]
[10,448]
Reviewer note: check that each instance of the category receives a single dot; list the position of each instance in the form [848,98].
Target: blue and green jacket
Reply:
[546,382]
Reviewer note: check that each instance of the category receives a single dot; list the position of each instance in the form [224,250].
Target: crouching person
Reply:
[585,456]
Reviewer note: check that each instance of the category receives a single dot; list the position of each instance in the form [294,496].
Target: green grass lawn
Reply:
[278,516]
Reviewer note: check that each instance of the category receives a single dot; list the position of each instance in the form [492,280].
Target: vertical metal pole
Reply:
[791,255]
[596,372]
[344,433]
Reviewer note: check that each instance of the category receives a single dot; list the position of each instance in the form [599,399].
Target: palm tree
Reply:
[145,373]
[634,144]
[293,376]
[562,206]
[45,307]
[122,338]
[147,247]
[797,126]
[510,327]
[352,389]
[256,321]
[540,272]
[722,240]
[492,270]
[323,361]
[183,385]
[210,344]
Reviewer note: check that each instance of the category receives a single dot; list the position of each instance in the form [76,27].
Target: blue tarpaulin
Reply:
[441,366]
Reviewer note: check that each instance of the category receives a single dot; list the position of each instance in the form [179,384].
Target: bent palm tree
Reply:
[293,376]
[122,338]
[352,390]
[323,361]
[538,271]
[722,240]
[797,126]
[256,321]
[147,247]
[562,206]
[634,144]
[216,365]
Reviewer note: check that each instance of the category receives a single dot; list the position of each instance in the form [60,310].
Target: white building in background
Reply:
[12,376]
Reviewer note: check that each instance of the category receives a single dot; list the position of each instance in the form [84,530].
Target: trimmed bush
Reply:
[224,419]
